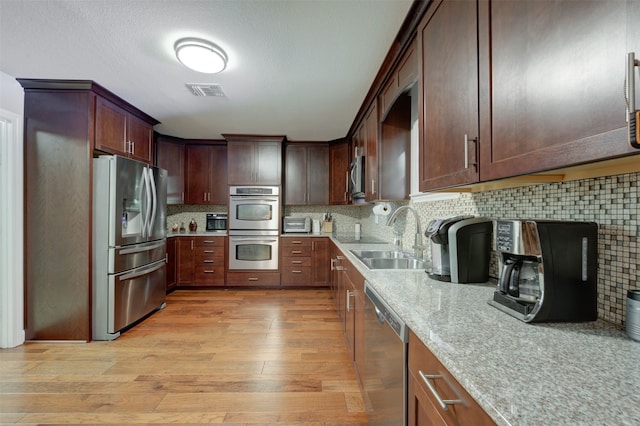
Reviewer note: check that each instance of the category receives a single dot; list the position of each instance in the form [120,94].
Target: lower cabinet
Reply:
[304,261]
[429,384]
[253,279]
[347,286]
[170,272]
[201,261]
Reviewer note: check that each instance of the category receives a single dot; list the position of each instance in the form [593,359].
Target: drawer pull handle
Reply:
[208,241]
[442,402]
[296,251]
[208,261]
[208,251]
[296,242]
[296,262]
[296,272]
[252,279]
[210,271]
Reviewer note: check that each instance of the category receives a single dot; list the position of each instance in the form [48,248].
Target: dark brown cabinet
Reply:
[206,174]
[339,173]
[170,155]
[404,76]
[423,407]
[304,261]
[448,95]
[254,160]
[371,138]
[307,174]
[120,132]
[171,270]
[201,261]
[61,130]
[552,77]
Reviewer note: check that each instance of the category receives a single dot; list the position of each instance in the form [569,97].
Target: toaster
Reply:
[296,224]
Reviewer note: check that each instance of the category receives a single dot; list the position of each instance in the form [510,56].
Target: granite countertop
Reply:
[521,374]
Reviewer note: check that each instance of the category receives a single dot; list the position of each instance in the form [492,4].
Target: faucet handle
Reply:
[397,240]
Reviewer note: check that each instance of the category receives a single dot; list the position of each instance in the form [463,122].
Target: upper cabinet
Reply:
[254,160]
[170,155]
[206,174]
[339,172]
[371,185]
[551,83]
[120,132]
[404,76]
[307,174]
[448,95]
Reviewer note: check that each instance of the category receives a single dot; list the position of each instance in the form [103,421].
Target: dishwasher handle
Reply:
[379,314]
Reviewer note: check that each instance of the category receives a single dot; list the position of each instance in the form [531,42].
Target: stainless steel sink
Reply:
[380,254]
[388,259]
[405,263]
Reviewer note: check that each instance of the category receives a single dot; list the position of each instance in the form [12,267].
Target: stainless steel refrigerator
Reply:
[129,234]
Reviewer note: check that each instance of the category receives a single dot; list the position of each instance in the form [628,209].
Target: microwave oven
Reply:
[216,222]
[296,224]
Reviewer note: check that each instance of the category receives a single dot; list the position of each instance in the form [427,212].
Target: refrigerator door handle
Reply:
[154,203]
[147,195]
[141,249]
[142,271]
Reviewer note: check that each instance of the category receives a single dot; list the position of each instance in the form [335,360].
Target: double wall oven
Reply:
[254,220]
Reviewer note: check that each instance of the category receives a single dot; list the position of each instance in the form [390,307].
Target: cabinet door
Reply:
[171,157]
[295,175]
[171,270]
[241,158]
[185,262]
[111,127]
[197,174]
[318,175]
[339,172]
[218,189]
[448,47]
[140,138]
[349,294]
[320,261]
[268,163]
[421,411]
[553,75]
[371,153]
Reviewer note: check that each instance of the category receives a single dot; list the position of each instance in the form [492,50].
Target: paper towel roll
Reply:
[382,210]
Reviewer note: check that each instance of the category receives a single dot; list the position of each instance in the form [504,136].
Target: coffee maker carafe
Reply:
[460,248]
[548,270]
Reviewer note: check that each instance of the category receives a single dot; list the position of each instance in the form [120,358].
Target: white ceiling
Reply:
[300,68]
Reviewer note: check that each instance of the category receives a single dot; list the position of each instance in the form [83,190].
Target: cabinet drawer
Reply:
[204,260]
[295,262]
[296,275]
[209,275]
[257,278]
[206,242]
[292,243]
[423,362]
[208,252]
[297,251]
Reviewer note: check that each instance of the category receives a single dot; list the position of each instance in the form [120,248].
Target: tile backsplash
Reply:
[611,202]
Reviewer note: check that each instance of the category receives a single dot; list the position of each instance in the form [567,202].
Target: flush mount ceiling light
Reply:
[200,55]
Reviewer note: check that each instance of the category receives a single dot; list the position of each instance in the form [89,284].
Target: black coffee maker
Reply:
[460,248]
[548,270]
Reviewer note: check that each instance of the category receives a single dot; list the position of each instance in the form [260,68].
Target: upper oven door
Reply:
[254,212]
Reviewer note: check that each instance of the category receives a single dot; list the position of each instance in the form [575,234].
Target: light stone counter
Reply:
[521,374]
[196,234]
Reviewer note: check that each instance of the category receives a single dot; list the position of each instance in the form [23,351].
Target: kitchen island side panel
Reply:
[57,215]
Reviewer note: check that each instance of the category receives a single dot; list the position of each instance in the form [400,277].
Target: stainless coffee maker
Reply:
[548,270]
[460,248]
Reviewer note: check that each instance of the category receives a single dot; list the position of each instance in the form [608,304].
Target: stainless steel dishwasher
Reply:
[385,379]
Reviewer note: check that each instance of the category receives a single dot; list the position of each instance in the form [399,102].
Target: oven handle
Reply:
[259,240]
[243,198]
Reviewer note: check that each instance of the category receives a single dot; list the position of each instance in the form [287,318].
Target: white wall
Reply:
[11,213]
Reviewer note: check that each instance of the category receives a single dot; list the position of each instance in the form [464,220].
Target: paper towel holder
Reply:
[383,209]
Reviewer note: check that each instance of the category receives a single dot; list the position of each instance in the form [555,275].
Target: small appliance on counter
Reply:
[216,222]
[296,224]
[460,248]
[633,314]
[548,270]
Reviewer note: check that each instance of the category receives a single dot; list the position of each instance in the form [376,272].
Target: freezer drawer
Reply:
[122,299]
[134,256]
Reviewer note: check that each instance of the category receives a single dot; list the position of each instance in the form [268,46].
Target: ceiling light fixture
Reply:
[200,55]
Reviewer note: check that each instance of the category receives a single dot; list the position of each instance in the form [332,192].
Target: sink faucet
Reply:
[418,247]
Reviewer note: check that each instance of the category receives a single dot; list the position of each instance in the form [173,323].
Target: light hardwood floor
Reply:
[238,357]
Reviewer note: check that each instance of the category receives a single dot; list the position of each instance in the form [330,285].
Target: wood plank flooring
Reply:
[237,357]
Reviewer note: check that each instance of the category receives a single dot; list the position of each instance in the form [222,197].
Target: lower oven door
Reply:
[253,252]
